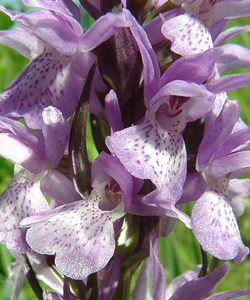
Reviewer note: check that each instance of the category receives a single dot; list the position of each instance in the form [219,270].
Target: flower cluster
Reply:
[146,78]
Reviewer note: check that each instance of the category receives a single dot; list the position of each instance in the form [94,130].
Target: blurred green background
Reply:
[179,251]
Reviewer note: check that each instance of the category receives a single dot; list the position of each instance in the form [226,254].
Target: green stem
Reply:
[204,267]
[78,288]
[92,287]
[214,263]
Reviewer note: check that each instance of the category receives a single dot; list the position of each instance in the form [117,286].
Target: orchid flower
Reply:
[151,283]
[146,91]
[57,63]
[84,228]
[36,153]
[197,26]
[180,98]
[221,156]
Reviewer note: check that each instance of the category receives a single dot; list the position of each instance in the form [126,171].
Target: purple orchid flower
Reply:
[186,286]
[61,66]
[196,30]
[44,150]
[37,150]
[48,144]
[43,271]
[21,199]
[84,228]
[152,265]
[158,139]
[190,286]
[51,37]
[148,170]
[221,156]
[110,280]
[36,153]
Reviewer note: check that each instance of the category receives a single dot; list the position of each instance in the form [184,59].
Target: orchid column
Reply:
[143,87]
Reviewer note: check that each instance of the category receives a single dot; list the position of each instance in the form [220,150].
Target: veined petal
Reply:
[148,151]
[217,133]
[198,288]
[21,199]
[152,265]
[235,162]
[215,227]
[181,280]
[151,71]
[158,272]
[230,33]
[234,57]
[22,41]
[190,6]
[219,102]
[229,295]
[237,141]
[240,186]
[56,133]
[142,288]
[19,145]
[193,188]
[52,29]
[113,111]
[57,29]
[229,9]
[59,187]
[64,7]
[238,189]
[50,79]
[192,68]
[105,26]
[153,27]
[187,34]
[80,234]
[162,202]
[110,280]
[229,82]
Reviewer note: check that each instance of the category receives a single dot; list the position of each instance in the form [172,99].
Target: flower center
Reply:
[113,195]
[173,107]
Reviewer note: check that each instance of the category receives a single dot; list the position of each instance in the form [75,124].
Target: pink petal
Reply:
[80,234]
[22,41]
[148,151]
[21,199]
[56,133]
[215,227]
[50,79]
[19,145]
[187,34]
